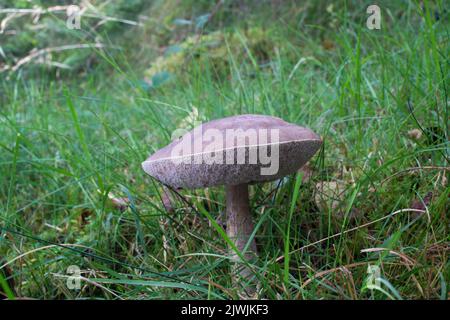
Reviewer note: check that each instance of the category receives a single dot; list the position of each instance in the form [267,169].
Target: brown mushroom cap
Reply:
[296,145]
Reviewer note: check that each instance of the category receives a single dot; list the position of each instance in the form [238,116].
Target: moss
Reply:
[214,49]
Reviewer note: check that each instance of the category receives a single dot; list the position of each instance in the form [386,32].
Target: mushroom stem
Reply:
[239,228]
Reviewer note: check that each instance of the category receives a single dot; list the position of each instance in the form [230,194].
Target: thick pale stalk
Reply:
[239,228]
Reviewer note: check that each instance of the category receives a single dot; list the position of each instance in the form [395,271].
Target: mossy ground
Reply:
[72,191]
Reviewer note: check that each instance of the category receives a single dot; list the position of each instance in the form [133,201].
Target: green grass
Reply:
[376,196]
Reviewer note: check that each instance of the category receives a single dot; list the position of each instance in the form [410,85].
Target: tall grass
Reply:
[374,195]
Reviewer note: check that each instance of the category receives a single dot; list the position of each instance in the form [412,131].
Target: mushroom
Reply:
[235,152]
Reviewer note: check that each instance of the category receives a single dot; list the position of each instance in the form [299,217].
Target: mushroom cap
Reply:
[233,150]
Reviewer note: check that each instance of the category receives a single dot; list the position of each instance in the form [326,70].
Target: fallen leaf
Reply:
[167,200]
[328,44]
[415,134]
[120,203]
[421,204]
[83,218]
[328,194]
[307,173]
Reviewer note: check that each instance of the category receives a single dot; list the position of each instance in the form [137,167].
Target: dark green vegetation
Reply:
[77,123]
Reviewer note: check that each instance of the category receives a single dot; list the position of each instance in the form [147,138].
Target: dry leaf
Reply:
[83,218]
[120,203]
[421,204]
[415,134]
[327,44]
[328,194]
[167,200]
[307,173]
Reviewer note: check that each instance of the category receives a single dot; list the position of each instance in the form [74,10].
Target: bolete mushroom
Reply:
[234,152]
